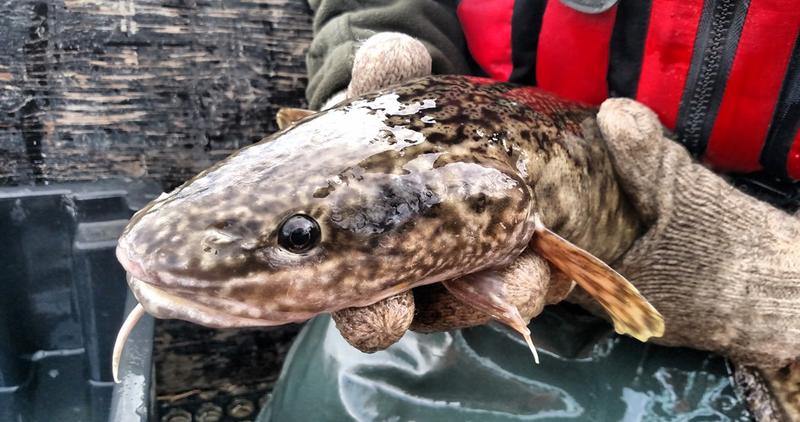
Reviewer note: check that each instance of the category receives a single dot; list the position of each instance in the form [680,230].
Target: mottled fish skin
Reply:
[427,181]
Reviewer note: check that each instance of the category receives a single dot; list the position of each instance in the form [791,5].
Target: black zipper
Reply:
[717,38]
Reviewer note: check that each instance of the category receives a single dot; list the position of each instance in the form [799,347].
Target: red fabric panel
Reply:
[573,50]
[753,87]
[793,161]
[487,28]
[667,55]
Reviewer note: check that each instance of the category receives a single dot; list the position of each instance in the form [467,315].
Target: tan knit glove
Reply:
[722,267]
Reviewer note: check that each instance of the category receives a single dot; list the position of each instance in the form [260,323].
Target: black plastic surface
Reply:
[62,296]
[133,399]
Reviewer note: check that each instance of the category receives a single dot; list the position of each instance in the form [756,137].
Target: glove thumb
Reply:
[646,161]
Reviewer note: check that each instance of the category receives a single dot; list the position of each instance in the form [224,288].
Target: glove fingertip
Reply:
[635,140]
[629,128]
[377,326]
[387,58]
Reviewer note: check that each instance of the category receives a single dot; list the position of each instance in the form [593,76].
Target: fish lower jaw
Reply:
[163,304]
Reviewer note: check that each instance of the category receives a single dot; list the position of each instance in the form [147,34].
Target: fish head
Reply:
[343,209]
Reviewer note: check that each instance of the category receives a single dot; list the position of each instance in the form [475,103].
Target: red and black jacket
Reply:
[724,74]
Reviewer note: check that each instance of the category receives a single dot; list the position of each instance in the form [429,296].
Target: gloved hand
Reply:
[723,268]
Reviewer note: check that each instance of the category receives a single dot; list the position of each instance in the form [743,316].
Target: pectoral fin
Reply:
[289,116]
[632,314]
[486,292]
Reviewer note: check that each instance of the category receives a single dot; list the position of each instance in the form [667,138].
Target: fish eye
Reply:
[299,233]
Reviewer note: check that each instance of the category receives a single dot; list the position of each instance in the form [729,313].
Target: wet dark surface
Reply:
[61,296]
[216,375]
[485,373]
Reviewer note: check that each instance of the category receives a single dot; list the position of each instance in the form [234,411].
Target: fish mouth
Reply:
[161,303]
[165,304]
[168,302]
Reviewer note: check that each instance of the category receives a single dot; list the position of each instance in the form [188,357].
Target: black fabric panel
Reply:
[785,120]
[717,39]
[526,23]
[627,47]
[780,193]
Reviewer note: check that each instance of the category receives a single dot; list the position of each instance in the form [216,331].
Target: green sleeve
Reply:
[341,25]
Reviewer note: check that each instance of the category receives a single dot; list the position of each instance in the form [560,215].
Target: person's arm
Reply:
[342,26]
